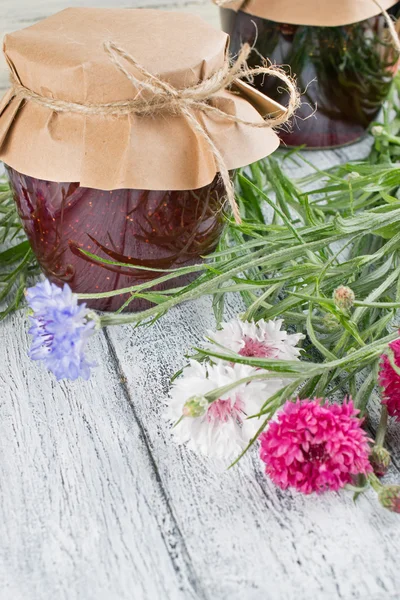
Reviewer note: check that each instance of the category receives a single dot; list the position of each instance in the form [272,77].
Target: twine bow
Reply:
[188,101]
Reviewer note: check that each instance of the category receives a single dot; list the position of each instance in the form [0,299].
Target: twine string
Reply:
[155,95]
[394,36]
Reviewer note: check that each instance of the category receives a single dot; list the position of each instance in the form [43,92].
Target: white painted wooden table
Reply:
[98,503]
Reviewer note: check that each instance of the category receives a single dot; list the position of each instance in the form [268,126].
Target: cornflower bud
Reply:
[343,297]
[389,497]
[196,406]
[380,460]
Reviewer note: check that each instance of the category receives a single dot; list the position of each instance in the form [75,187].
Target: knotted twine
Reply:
[187,101]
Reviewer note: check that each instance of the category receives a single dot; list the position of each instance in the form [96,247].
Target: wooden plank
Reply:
[83,514]
[98,502]
[246,538]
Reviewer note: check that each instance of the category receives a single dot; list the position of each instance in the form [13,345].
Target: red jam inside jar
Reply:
[344,72]
[156,229]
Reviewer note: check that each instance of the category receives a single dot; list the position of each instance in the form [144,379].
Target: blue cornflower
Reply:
[60,330]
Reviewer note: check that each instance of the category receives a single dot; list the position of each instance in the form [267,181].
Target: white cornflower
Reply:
[261,339]
[222,430]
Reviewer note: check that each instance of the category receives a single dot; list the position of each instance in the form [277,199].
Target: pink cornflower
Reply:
[315,447]
[390,381]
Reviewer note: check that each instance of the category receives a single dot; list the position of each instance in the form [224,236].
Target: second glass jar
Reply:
[344,72]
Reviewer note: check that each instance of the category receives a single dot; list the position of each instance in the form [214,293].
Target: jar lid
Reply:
[63,58]
[321,13]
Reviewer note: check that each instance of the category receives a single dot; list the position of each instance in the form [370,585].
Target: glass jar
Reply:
[344,72]
[129,112]
[156,229]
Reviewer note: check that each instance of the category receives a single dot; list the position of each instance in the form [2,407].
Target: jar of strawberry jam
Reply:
[341,55]
[119,145]
[142,228]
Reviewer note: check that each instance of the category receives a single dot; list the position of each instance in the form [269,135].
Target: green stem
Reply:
[210,286]
[364,393]
[382,427]
[375,483]
[377,304]
[253,439]
[218,392]
[363,356]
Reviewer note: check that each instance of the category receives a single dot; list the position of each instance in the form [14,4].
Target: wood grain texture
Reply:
[98,503]
[83,512]
[246,538]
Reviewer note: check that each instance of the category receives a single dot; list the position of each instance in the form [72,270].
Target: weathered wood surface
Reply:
[98,503]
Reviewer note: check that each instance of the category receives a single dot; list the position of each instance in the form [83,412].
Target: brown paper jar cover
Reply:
[63,57]
[132,189]
[321,13]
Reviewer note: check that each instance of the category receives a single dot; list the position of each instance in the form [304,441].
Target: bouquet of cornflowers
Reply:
[319,277]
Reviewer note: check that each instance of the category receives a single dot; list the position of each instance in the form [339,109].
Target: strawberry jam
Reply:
[154,229]
[344,72]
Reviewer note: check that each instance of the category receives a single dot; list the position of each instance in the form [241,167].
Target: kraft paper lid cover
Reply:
[310,12]
[63,58]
